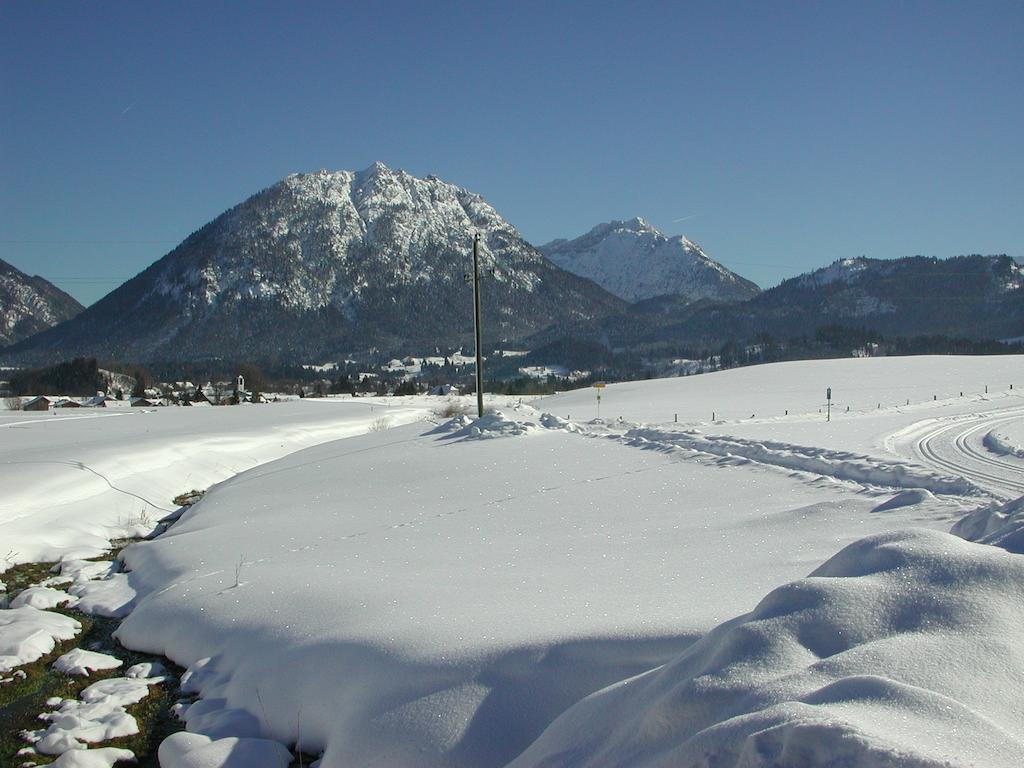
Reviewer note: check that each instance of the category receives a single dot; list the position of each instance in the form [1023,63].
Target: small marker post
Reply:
[599,385]
[828,401]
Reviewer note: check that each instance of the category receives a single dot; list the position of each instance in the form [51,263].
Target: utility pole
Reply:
[476,327]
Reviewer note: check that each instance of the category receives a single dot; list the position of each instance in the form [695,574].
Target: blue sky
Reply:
[780,136]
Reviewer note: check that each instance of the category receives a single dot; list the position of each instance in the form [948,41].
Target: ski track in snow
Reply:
[957,444]
[839,465]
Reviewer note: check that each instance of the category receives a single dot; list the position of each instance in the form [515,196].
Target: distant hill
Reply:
[327,262]
[635,261]
[974,297]
[29,304]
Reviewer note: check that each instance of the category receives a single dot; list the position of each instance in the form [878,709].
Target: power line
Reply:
[88,242]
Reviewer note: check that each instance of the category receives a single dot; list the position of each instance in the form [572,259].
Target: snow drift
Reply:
[904,649]
[1001,525]
[1002,445]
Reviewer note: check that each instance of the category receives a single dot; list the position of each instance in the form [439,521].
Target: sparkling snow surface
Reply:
[903,649]
[439,596]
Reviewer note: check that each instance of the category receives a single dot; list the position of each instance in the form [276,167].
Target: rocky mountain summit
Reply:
[29,304]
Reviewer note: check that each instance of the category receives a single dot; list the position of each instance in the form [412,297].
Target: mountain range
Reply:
[29,304]
[324,264]
[972,297]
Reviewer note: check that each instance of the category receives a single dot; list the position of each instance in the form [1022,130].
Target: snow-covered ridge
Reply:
[635,261]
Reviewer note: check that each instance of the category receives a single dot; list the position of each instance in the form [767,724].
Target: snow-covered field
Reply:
[566,592]
[70,482]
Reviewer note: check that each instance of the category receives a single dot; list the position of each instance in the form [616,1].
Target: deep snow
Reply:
[438,596]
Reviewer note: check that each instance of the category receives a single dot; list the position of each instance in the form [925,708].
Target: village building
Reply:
[39,403]
[199,398]
[99,400]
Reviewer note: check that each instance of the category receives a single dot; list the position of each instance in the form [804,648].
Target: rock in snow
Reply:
[904,649]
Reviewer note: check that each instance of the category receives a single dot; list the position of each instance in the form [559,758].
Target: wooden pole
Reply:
[476,327]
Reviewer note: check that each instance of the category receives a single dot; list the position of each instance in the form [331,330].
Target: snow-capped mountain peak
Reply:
[635,261]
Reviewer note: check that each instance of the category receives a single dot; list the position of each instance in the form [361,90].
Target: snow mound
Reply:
[491,425]
[193,750]
[146,669]
[905,499]
[112,596]
[28,634]
[1001,525]
[550,421]
[453,424]
[43,598]
[903,649]
[86,570]
[82,662]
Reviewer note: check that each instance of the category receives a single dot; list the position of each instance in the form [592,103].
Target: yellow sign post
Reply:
[599,385]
